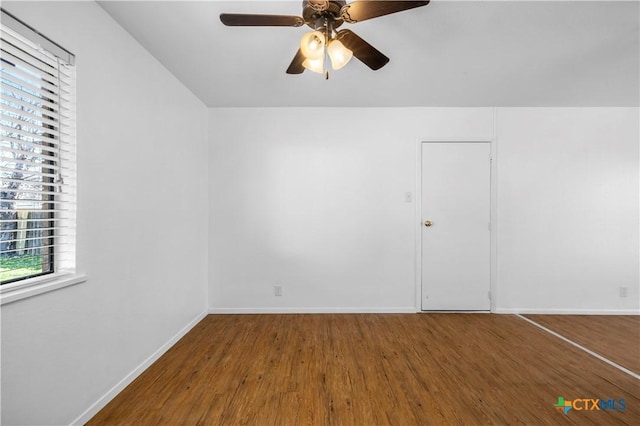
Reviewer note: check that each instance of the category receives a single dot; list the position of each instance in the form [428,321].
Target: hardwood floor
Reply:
[615,337]
[371,370]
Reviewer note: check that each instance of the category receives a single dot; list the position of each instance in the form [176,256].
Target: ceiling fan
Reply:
[324,17]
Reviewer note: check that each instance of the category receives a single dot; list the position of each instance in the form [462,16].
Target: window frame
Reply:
[63,269]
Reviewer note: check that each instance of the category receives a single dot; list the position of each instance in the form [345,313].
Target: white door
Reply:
[456,236]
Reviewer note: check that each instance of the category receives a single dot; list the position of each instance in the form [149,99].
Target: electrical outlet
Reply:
[624,291]
[277,290]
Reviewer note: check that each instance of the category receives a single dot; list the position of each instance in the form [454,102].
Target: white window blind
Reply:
[38,164]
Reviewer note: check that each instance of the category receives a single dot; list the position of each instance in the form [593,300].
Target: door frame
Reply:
[493,267]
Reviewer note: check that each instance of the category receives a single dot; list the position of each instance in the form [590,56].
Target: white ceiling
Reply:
[448,53]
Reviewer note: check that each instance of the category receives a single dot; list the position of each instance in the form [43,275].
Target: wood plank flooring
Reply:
[370,369]
[615,337]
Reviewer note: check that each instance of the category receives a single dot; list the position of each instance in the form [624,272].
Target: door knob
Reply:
[427,223]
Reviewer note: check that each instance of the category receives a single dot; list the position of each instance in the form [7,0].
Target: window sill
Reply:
[28,288]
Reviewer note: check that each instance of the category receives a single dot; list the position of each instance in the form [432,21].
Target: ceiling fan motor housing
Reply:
[314,10]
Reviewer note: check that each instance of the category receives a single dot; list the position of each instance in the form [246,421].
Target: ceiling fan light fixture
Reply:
[315,65]
[324,17]
[312,45]
[340,55]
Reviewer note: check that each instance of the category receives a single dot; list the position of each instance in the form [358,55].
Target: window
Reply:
[37,164]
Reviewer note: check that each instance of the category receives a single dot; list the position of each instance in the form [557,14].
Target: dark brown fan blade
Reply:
[243,20]
[296,65]
[362,10]
[362,50]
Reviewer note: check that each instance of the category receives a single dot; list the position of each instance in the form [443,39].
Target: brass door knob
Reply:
[427,223]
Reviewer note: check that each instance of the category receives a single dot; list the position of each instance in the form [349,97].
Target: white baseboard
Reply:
[409,310]
[413,310]
[525,311]
[106,398]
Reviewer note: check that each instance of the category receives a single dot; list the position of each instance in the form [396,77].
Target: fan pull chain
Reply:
[328,30]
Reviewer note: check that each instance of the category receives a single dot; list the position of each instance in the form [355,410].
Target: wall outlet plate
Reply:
[277,290]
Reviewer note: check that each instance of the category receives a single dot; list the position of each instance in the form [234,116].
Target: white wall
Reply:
[568,209]
[312,199]
[142,236]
